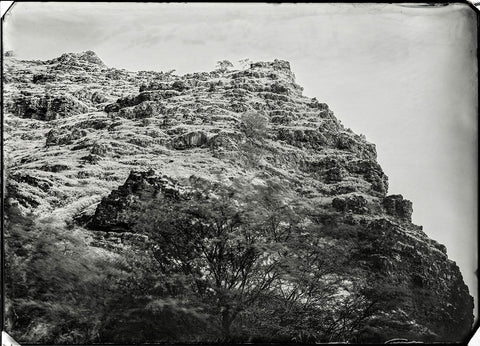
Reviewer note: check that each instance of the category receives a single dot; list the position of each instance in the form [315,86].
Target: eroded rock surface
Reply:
[92,143]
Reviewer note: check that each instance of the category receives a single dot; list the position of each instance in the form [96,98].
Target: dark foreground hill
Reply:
[210,207]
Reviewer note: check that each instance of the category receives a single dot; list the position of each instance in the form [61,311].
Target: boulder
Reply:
[42,78]
[91,159]
[112,107]
[98,97]
[55,168]
[63,136]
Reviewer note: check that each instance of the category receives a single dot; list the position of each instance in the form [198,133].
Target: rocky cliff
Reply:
[92,144]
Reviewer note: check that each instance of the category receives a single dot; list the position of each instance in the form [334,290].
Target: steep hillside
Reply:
[105,151]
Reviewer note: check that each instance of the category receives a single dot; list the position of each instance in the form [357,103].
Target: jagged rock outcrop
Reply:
[397,206]
[114,213]
[48,107]
[129,138]
[355,204]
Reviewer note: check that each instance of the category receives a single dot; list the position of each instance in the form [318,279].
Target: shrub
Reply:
[224,65]
[254,125]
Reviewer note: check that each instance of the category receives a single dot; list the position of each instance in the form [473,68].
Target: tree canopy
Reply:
[218,264]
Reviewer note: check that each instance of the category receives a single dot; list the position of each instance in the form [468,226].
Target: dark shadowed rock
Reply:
[355,204]
[113,107]
[190,140]
[335,174]
[96,124]
[17,195]
[42,184]
[54,168]
[372,172]
[98,97]
[303,138]
[46,107]
[43,78]
[114,213]
[411,271]
[396,206]
[63,136]
[92,159]
[406,265]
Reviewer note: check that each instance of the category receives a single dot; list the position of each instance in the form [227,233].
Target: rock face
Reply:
[47,107]
[114,213]
[190,140]
[387,249]
[397,206]
[129,138]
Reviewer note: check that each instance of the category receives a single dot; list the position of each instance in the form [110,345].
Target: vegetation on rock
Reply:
[146,207]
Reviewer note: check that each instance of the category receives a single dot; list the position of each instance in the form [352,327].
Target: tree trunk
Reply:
[226,324]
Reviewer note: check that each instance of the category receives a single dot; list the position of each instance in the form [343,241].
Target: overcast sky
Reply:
[403,75]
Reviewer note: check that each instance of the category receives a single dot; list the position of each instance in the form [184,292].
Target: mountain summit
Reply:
[226,204]
[87,57]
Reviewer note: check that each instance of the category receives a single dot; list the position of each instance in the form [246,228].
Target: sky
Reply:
[405,76]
